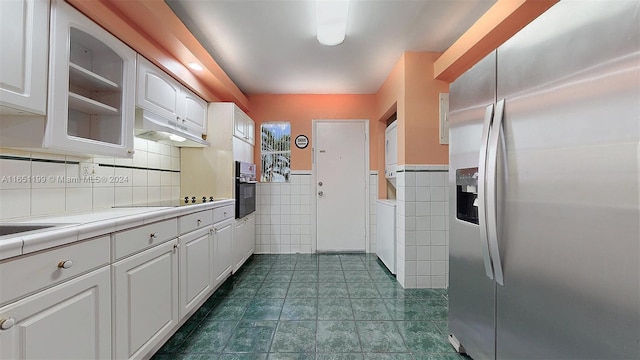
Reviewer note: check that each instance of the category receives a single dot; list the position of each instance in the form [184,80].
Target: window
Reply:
[276,152]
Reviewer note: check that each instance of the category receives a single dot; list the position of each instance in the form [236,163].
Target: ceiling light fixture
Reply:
[195,66]
[331,21]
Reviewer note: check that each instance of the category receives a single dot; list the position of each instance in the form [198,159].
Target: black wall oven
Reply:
[245,189]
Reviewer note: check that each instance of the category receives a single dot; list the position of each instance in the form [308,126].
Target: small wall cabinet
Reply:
[92,83]
[24,36]
[244,127]
[162,95]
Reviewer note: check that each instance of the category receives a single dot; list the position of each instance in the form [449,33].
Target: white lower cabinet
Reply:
[145,299]
[196,268]
[117,296]
[222,238]
[244,241]
[68,321]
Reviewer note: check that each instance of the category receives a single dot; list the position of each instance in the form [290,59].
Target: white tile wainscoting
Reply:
[422,226]
[284,215]
[35,184]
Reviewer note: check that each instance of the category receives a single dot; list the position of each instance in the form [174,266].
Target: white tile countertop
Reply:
[79,226]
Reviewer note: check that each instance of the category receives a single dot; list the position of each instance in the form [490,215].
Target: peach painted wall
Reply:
[411,91]
[300,110]
[421,137]
[389,99]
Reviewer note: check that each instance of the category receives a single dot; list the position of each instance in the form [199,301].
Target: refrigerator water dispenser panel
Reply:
[467,195]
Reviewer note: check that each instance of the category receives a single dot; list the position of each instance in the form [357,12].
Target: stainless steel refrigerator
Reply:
[544,187]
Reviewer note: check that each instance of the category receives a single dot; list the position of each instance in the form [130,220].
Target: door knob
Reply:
[320,193]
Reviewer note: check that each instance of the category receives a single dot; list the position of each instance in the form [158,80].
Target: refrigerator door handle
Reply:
[482,213]
[491,199]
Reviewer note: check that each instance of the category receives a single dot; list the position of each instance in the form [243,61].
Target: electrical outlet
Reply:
[87,168]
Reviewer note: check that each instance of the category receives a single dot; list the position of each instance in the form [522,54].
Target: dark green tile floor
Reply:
[307,306]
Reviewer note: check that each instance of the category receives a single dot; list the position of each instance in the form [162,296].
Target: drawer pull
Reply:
[225,214]
[66,264]
[175,246]
[6,324]
[152,235]
[198,221]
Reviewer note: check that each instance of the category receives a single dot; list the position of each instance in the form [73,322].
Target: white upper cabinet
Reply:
[244,127]
[92,84]
[195,112]
[157,91]
[160,94]
[24,36]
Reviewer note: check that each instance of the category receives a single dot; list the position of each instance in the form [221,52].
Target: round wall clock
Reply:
[302,141]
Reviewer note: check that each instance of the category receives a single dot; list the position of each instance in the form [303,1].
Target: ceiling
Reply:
[270,47]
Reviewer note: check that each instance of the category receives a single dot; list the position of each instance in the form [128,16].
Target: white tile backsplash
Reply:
[15,203]
[15,174]
[79,199]
[35,184]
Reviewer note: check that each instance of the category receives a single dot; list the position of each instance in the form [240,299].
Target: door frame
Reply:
[312,185]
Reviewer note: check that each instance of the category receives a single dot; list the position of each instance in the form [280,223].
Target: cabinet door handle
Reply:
[152,235]
[6,324]
[176,246]
[66,264]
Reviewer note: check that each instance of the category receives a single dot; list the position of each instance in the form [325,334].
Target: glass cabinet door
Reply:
[92,79]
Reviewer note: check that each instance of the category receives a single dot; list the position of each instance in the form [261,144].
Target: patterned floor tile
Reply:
[316,307]
[333,290]
[337,336]
[243,356]
[423,337]
[264,309]
[292,356]
[295,337]
[335,309]
[299,309]
[251,336]
[302,290]
[273,290]
[380,336]
[209,337]
[362,290]
[370,309]
[341,356]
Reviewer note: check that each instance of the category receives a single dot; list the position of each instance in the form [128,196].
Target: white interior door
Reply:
[341,185]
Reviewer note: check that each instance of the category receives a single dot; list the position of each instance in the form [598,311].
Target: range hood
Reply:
[156,128]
